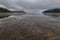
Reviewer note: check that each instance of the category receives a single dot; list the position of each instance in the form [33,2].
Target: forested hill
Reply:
[55,10]
[4,10]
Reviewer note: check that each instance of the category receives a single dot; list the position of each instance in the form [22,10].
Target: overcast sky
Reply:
[30,4]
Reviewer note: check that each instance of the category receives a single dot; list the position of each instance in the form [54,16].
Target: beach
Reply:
[30,26]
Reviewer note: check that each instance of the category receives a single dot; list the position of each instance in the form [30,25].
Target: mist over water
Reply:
[29,13]
[35,11]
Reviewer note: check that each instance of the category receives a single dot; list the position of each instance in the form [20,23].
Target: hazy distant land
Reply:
[52,12]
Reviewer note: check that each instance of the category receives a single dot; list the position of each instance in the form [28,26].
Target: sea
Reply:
[36,11]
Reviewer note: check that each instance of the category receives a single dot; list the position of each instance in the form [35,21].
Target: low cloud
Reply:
[31,4]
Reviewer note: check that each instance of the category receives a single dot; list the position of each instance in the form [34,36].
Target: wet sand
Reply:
[32,26]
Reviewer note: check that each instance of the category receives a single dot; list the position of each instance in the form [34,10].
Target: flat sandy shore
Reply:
[32,26]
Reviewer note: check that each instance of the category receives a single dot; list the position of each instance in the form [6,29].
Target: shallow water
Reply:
[30,26]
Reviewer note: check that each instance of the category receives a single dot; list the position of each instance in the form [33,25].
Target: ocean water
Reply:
[35,11]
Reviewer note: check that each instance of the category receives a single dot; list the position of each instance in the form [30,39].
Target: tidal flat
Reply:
[30,26]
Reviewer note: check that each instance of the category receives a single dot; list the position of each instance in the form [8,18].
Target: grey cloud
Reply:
[23,4]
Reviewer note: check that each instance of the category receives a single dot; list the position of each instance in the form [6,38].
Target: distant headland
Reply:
[55,10]
[5,10]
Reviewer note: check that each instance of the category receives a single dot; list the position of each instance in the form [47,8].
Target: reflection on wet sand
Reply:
[32,26]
